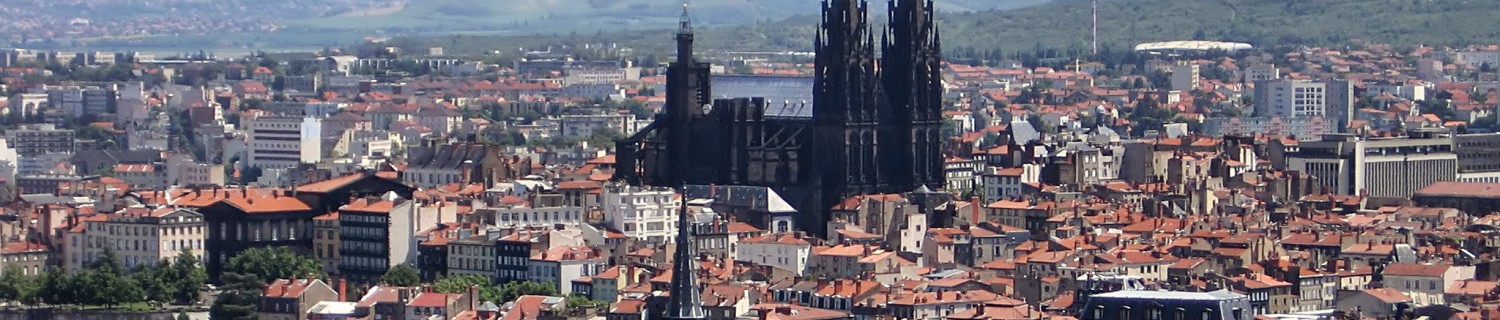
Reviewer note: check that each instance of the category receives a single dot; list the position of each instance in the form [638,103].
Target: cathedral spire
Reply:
[685,38]
[685,303]
[685,25]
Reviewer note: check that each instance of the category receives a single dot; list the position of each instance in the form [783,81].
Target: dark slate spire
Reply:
[684,303]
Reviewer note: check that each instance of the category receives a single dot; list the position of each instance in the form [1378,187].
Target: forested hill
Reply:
[1064,25]
[1267,23]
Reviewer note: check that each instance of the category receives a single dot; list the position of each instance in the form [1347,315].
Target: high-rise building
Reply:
[1291,98]
[282,141]
[1185,76]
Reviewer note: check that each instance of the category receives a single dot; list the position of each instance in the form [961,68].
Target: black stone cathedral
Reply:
[874,127]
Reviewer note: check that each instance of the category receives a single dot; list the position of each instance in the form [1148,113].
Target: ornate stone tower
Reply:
[847,102]
[911,67]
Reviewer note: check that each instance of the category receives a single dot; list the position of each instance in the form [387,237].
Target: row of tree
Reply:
[106,283]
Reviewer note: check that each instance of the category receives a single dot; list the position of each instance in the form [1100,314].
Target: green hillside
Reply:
[543,16]
[1065,23]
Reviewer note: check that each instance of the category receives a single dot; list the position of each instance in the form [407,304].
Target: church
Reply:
[874,125]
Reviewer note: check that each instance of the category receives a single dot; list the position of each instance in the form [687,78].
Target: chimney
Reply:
[343,289]
[974,205]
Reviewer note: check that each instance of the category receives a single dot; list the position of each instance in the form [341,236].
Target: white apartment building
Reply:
[780,250]
[139,236]
[583,126]
[282,142]
[643,213]
[1409,91]
[1291,98]
[520,217]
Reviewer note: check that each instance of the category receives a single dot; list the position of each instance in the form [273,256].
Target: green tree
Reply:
[604,138]
[402,276]
[577,302]
[153,281]
[512,291]
[459,284]
[187,277]
[271,263]
[238,299]
[16,286]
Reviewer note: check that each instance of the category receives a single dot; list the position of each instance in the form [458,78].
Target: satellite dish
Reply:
[707,107]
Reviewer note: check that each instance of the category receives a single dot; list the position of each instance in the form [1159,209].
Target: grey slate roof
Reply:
[786,97]
[755,198]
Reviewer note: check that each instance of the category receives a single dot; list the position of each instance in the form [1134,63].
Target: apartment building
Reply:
[141,236]
[642,213]
[282,141]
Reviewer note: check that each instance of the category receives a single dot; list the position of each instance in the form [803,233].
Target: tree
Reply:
[402,276]
[187,277]
[512,291]
[461,284]
[153,281]
[604,138]
[271,263]
[577,302]
[16,286]
[239,298]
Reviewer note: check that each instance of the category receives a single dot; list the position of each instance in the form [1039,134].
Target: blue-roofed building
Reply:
[1148,304]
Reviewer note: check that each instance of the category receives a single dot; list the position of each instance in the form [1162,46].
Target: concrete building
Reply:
[1478,157]
[27,103]
[1303,98]
[1185,76]
[36,139]
[583,126]
[374,235]
[521,217]
[642,213]
[282,141]
[1381,167]
[1262,72]
[1303,128]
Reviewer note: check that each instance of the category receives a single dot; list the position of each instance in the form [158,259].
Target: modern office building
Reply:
[1379,167]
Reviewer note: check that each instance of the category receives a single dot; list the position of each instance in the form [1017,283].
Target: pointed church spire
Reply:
[685,25]
[684,303]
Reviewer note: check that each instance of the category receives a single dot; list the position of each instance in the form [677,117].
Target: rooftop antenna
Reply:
[1094,26]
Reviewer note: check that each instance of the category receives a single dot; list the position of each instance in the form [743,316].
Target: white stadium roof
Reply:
[1193,46]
